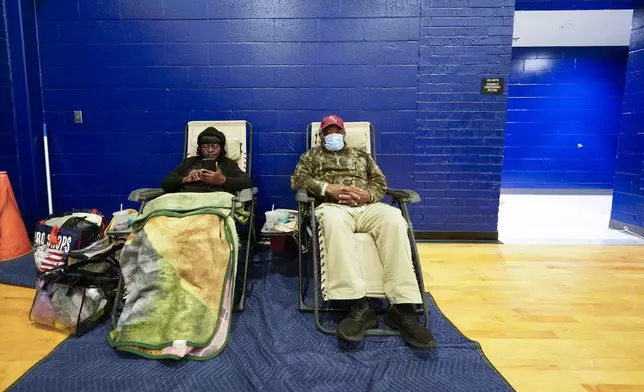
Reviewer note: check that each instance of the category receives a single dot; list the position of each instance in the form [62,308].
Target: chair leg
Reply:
[300,260]
[415,257]
[117,300]
[317,309]
[316,281]
[241,305]
[142,206]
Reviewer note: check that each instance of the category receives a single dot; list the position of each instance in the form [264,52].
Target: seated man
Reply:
[210,170]
[349,185]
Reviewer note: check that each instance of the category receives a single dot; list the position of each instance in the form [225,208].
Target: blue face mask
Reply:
[334,142]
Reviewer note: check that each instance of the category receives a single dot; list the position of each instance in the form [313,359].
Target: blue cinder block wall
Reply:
[459,132]
[26,113]
[8,148]
[564,112]
[139,70]
[628,195]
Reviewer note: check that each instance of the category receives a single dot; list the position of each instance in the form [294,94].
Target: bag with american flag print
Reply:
[61,233]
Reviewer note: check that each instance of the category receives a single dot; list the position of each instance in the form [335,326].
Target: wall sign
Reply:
[492,86]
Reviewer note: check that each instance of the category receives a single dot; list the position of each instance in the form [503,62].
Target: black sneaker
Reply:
[360,318]
[404,319]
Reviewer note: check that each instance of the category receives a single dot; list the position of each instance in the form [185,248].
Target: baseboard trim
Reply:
[537,191]
[491,237]
[619,226]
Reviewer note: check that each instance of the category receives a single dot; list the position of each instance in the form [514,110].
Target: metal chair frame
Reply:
[306,213]
[247,197]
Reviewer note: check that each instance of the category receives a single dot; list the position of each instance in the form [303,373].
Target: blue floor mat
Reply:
[19,272]
[274,347]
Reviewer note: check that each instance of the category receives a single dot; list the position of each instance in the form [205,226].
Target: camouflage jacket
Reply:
[349,166]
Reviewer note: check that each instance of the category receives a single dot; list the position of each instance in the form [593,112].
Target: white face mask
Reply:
[334,142]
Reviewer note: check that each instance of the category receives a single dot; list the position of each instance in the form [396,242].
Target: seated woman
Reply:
[179,264]
[210,170]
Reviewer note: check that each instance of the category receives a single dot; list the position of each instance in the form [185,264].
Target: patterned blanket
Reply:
[179,271]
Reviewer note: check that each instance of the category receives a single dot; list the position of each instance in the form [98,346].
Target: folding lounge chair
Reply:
[239,147]
[358,135]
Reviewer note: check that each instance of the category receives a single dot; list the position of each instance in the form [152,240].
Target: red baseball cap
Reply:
[332,120]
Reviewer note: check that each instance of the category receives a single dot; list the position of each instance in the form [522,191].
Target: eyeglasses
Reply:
[210,147]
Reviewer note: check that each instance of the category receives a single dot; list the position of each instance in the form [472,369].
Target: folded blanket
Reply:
[179,271]
[185,204]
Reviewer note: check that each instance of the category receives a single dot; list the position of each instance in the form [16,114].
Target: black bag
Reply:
[77,297]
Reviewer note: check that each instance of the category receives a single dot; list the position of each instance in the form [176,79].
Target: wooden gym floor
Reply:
[550,318]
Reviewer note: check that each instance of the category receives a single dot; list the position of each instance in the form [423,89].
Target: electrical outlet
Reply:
[78,116]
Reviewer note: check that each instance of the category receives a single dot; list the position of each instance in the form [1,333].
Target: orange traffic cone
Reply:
[14,241]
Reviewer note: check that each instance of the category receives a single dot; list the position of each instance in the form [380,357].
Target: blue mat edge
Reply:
[478,346]
[29,257]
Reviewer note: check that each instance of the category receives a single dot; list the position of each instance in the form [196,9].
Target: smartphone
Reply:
[210,164]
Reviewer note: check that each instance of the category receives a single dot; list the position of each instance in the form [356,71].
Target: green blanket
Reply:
[184,204]
[179,271]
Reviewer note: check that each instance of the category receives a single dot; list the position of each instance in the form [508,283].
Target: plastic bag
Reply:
[76,298]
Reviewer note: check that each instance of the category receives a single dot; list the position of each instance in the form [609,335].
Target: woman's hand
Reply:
[193,176]
[213,178]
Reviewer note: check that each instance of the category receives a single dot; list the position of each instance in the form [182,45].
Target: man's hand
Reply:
[193,176]
[214,178]
[348,195]
[335,191]
[355,196]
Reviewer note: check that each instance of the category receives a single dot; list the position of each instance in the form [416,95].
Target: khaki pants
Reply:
[342,277]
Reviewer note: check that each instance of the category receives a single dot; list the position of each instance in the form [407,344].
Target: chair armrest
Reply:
[302,196]
[247,195]
[404,195]
[142,194]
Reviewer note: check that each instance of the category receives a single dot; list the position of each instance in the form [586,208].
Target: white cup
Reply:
[271,218]
[121,220]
